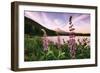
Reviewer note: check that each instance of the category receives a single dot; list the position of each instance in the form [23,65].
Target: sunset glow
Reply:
[58,21]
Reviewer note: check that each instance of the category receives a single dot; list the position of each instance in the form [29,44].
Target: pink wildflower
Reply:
[45,40]
[59,41]
[71,41]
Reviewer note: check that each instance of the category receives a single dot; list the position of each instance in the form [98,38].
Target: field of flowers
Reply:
[36,51]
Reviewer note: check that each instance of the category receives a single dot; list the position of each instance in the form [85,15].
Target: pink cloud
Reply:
[56,24]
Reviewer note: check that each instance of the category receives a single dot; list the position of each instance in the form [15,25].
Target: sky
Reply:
[59,21]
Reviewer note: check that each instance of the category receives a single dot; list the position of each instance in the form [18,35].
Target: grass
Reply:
[34,50]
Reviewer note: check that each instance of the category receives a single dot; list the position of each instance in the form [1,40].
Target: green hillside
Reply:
[34,28]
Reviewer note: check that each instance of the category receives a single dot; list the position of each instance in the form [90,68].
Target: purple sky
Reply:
[58,21]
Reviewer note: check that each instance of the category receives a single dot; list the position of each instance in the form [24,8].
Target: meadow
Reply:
[34,50]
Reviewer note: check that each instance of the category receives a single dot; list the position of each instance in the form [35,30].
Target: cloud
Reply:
[79,18]
[56,24]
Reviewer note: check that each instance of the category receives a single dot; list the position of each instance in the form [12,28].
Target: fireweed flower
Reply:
[64,41]
[45,43]
[85,41]
[79,41]
[45,40]
[88,42]
[71,41]
[59,41]
[58,44]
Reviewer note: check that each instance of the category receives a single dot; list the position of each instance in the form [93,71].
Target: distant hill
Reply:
[33,28]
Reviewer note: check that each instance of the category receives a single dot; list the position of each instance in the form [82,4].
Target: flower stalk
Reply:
[71,41]
[45,40]
[59,41]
